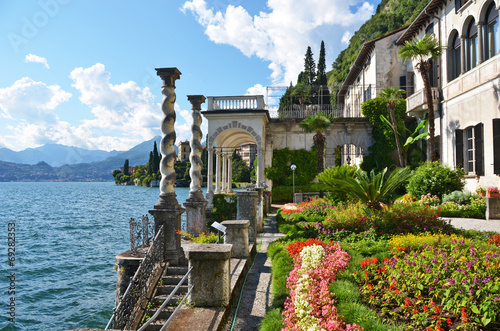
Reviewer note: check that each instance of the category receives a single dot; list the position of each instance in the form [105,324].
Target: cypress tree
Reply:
[150,163]
[156,159]
[321,78]
[309,76]
[125,168]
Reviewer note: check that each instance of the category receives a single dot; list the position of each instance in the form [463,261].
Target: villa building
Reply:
[184,151]
[465,85]
[376,67]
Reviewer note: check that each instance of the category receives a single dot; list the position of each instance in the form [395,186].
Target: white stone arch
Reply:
[234,134]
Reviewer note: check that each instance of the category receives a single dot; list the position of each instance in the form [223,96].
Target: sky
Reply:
[82,72]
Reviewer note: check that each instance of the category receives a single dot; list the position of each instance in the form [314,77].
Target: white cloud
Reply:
[257,89]
[37,59]
[31,101]
[282,35]
[346,37]
[124,107]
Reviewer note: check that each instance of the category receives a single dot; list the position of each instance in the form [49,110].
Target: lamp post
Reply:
[293,167]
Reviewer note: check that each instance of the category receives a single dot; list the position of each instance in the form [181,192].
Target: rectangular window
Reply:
[469,150]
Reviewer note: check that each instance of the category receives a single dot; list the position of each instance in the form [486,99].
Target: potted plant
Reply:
[493,192]
[481,191]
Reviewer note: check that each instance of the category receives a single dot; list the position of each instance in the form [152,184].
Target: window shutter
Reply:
[459,148]
[496,146]
[458,4]
[479,149]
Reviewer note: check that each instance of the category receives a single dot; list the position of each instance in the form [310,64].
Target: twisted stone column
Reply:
[196,149]
[167,211]
[167,190]
[196,203]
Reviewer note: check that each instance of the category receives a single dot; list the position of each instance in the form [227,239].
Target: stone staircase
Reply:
[171,277]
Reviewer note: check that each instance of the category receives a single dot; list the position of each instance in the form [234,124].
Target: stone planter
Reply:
[493,195]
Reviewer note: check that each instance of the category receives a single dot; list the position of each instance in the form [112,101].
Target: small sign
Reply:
[220,227]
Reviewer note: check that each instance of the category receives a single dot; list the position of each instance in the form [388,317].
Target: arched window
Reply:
[454,63]
[471,44]
[491,32]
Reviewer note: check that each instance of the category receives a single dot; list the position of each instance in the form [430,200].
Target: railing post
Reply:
[237,235]
[247,210]
[211,274]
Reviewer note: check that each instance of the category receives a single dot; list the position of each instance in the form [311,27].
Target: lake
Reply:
[67,236]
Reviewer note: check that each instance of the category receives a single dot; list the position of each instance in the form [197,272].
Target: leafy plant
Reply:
[336,173]
[371,189]
[317,123]
[435,178]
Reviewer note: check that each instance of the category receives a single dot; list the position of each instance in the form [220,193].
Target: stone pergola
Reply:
[233,121]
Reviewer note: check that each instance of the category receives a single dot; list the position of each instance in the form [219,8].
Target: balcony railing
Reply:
[245,102]
[298,112]
[418,100]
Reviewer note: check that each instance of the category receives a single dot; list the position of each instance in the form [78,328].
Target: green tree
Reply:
[321,74]
[150,163]
[240,169]
[309,74]
[125,168]
[423,50]
[317,123]
[302,91]
[389,96]
[156,160]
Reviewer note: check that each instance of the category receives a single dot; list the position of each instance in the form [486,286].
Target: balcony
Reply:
[300,112]
[418,101]
[245,102]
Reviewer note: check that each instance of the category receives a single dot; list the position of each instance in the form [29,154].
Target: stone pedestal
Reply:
[260,210]
[171,219]
[211,274]
[492,208]
[298,197]
[126,266]
[196,219]
[237,235]
[247,210]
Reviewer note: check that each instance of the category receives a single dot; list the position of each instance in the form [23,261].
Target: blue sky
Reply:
[81,72]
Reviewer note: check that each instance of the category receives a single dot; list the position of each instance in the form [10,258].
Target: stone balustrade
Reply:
[245,102]
[237,235]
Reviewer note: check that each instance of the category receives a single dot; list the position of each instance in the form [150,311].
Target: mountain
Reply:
[54,154]
[92,171]
[390,15]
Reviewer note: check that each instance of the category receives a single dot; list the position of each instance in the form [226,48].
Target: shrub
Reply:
[436,179]
[285,193]
[336,173]
[476,209]
[224,207]
[459,197]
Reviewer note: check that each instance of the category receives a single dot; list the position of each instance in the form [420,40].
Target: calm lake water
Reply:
[67,237]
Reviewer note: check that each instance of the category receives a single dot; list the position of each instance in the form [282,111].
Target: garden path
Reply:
[474,224]
[256,296]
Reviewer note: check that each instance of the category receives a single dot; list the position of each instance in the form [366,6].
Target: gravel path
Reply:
[475,224]
[256,297]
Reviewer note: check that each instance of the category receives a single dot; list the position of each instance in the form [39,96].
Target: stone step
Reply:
[173,301]
[172,279]
[176,270]
[156,325]
[167,289]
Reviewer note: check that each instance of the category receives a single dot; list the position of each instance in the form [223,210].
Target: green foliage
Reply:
[309,73]
[317,122]
[459,197]
[280,172]
[390,15]
[202,238]
[241,171]
[371,189]
[272,321]
[282,266]
[224,207]
[125,168]
[336,173]
[436,179]
[475,209]
[116,172]
[384,144]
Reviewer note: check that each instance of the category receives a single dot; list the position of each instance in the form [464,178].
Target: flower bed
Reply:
[311,305]
[446,284]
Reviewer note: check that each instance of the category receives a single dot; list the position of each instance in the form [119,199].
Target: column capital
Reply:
[196,100]
[168,75]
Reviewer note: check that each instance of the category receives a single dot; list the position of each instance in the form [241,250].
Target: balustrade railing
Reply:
[129,310]
[141,233]
[299,112]
[245,102]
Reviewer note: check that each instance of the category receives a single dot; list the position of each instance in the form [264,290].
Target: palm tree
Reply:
[317,123]
[423,50]
[389,95]
[371,189]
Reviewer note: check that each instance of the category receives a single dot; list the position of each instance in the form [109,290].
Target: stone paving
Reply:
[257,296]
